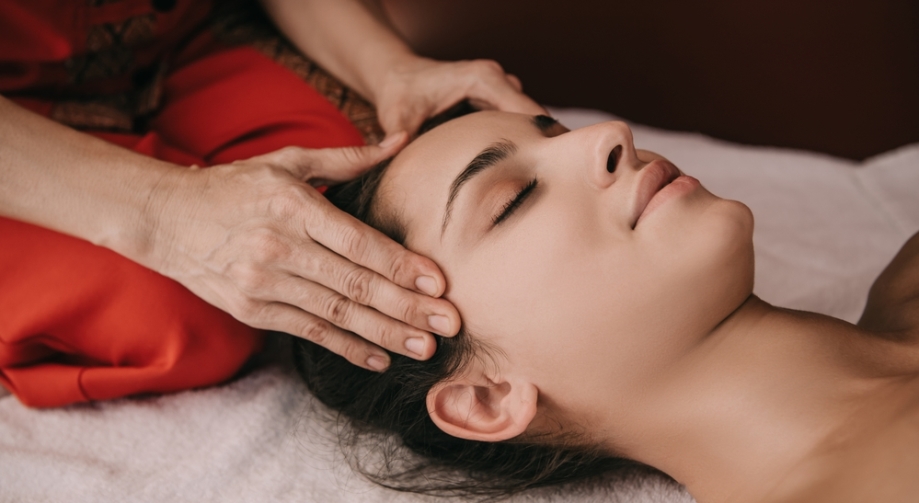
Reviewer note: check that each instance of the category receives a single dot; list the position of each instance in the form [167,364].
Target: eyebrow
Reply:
[488,158]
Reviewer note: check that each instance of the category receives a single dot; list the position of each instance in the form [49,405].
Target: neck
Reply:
[750,402]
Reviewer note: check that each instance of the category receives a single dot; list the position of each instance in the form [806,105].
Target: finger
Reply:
[514,82]
[334,164]
[368,323]
[503,97]
[488,85]
[406,118]
[342,164]
[368,288]
[370,248]
[289,319]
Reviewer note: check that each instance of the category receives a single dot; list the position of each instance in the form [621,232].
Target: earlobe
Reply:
[484,411]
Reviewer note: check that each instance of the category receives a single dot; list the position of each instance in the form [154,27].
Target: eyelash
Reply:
[515,202]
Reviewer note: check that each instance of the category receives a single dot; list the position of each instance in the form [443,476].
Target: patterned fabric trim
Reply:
[234,22]
[109,48]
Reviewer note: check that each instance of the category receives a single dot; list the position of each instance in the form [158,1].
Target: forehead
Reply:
[417,182]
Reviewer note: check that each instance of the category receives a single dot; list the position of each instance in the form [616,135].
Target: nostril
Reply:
[613,158]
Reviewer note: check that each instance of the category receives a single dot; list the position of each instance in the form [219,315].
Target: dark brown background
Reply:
[840,77]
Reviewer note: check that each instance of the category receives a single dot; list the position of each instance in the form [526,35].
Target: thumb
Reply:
[348,163]
[514,82]
[408,118]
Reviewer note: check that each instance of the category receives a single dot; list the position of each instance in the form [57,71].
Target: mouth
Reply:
[652,178]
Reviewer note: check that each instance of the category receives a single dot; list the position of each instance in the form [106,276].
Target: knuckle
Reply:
[263,173]
[403,269]
[292,152]
[249,278]
[353,352]
[355,242]
[389,337]
[315,331]
[287,202]
[337,309]
[407,308]
[247,311]
[488,66]
[268,247]
[357,285]
[288,155]
[352,156]
[313,263]
[337,159]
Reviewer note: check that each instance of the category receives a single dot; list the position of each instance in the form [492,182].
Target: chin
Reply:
[730,263]
[711,262]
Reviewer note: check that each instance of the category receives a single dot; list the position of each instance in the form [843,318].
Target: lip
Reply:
[659,181]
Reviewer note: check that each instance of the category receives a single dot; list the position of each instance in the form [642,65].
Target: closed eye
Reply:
[511,206]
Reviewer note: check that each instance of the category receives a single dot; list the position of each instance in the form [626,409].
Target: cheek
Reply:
[571,316]
[699,269]
[555,296]
[575,304]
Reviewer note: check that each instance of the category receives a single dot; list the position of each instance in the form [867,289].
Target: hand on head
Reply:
[263,245]
[256,240]
[421,88]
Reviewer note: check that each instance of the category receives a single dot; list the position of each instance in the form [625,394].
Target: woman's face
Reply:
[583,284]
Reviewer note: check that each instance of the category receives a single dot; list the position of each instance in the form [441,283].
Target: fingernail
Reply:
[439,323]
[427,285]
[377,363]
[391,140]
[415,345]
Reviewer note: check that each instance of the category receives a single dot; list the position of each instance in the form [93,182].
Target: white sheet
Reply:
[825,228]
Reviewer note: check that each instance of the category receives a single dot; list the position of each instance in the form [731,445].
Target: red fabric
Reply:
[79,322]
[43,42]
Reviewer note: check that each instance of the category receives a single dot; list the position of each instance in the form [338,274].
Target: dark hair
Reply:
[394,401]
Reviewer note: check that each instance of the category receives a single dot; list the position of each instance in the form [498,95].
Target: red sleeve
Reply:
[89,324]
[79,322]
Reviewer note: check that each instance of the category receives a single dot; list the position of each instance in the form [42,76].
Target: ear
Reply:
[476,408]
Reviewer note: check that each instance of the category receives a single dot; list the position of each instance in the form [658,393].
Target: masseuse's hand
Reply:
[354,41]
[418,88]
[256,240]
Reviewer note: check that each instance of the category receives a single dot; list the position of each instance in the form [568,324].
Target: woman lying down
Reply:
[609,325]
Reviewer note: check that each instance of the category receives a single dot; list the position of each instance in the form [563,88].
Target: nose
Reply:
[610,151]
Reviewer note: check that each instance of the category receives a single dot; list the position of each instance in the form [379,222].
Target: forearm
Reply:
[251,237]
[344,37]
[71,182]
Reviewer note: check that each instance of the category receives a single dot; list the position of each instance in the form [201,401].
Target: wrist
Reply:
[146,231]
[384,74]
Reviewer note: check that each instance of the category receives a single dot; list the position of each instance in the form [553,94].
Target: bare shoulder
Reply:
[876,473]
[876,456]
[893,302]
[877,461]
